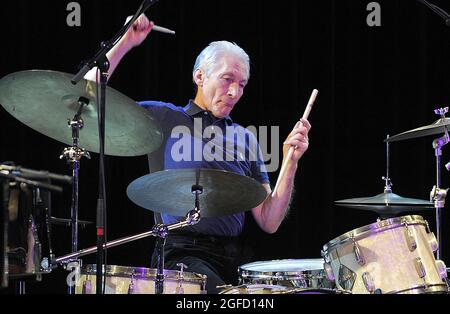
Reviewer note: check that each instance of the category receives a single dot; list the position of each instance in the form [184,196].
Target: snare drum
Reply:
[139,280]
[391,256]
[294,273]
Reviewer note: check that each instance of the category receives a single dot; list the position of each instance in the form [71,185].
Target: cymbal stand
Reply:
[160,231]
[438,194]
[192,218]
[73,156]
[101,61]
[387,179]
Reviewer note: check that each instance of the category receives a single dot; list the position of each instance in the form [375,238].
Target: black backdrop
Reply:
[373,81]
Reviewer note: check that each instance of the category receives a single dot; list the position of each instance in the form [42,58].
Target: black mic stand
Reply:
[444,15]
[101,61]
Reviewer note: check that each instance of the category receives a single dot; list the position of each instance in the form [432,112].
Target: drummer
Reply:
[221,73]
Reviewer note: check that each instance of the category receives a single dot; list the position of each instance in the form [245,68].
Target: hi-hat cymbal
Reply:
[386,204]
[437,127]
[46,100]
[170,192]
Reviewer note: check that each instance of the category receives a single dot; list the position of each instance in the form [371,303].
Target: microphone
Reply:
[163,30]
[34,174]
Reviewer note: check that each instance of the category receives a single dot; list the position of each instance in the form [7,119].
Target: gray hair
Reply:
[208,58]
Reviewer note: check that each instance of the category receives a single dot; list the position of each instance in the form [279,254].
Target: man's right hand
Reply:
[137,33]
[132,38]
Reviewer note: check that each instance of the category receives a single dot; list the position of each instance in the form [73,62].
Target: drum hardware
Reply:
[368,282]
[68,222]
[73,156]
[34,174]
[387,204]
[420,267]
[255,289]
[131,285]
[100,60]
[290,273]
[87,287]
[138,280]
[391,266]
[410,239]
[159,231]
[23,207]
[346,278]
[180,289]
[357,251]
[275,289]
[216,192]
[438,194]
[43,99]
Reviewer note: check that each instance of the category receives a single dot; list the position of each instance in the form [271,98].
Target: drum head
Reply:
[256,289]
[288,266]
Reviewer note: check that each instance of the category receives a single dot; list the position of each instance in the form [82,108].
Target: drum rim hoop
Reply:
[377,227]
[144,273]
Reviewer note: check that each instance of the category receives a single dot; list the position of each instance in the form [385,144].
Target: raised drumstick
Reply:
[308,108]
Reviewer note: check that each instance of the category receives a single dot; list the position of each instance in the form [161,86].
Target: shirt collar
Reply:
[193,109]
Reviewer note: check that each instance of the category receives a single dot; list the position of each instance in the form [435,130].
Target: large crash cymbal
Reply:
[436,128]
[46,100]
[386,204]
[170,192]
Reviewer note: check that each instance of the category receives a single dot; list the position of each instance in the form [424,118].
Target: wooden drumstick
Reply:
[312,99]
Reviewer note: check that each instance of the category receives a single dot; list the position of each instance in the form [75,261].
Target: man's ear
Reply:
[199,77]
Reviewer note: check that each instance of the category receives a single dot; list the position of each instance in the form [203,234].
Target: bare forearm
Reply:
[115,55]
[276,206]
[135,35]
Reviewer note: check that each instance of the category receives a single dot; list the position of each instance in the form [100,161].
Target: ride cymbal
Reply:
[46,100]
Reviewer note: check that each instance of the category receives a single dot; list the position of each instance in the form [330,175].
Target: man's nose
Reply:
[233,90]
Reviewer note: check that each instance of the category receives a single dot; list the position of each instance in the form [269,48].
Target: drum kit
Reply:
[393,255]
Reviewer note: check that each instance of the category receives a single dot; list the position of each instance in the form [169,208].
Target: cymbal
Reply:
[386,204]
[46,100]
[170,192]
[437,127]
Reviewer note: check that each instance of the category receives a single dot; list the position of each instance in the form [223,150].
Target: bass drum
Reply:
[139,280]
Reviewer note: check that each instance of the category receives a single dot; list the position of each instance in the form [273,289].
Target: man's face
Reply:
[224,86]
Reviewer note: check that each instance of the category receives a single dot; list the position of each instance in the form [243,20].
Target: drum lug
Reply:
[358,254]
[131,285]
[368,282]
[420,268]
[180,289]
[203,287]
[329,272]
[427,227]
[432,241]
[442,269]
[87,287]
[346,278]
[410,239]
